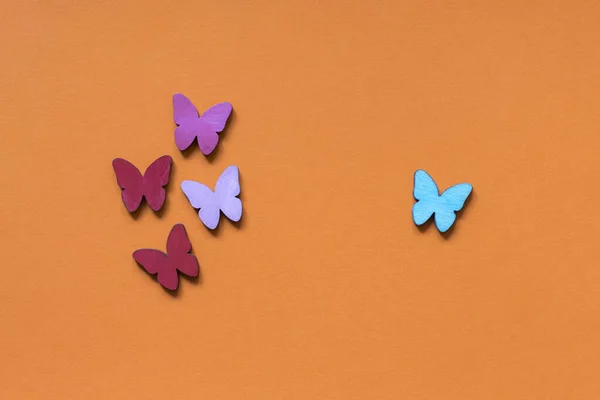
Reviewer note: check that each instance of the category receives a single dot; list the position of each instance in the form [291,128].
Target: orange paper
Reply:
[326,290]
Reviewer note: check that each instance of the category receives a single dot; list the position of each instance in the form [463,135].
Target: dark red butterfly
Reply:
[165,266]
[150,185]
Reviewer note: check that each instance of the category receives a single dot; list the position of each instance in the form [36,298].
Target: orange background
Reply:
[326,290]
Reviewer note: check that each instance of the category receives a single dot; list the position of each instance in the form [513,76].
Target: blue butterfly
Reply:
[429,201]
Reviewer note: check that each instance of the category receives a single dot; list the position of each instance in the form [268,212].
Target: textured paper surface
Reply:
[327,290]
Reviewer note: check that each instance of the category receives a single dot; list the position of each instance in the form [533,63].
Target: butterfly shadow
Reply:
[448,234]
[212,157]
[196,280]
[217,231]
[136,214]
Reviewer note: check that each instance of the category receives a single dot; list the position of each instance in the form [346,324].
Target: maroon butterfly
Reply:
[165,266]
[150,185]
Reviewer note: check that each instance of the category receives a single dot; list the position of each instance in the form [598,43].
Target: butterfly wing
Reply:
[155,262]
[422,211]
[188,264]
[178,241]
[452,200]
[200,196]
[425,188]
[183,108]
[232,208]
[210,216]
[212,121]
[155,177]
[426,193]
[178,247]
[444,219]
[455,196]
[226,190]
[207,139]
[217,116]
[185,134]
[130,181]
[186,116]
[168,276]
[228,183]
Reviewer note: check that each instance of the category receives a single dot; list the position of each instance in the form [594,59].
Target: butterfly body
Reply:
[430,202]
[166,265]
[223,199]
[203,128]
[136,186]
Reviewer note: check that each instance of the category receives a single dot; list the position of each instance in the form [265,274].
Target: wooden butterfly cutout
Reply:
[137,186]
[203,128]
[442,206]
[177,258]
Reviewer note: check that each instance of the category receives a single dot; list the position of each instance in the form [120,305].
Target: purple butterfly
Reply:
[222,199]
[192,126]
